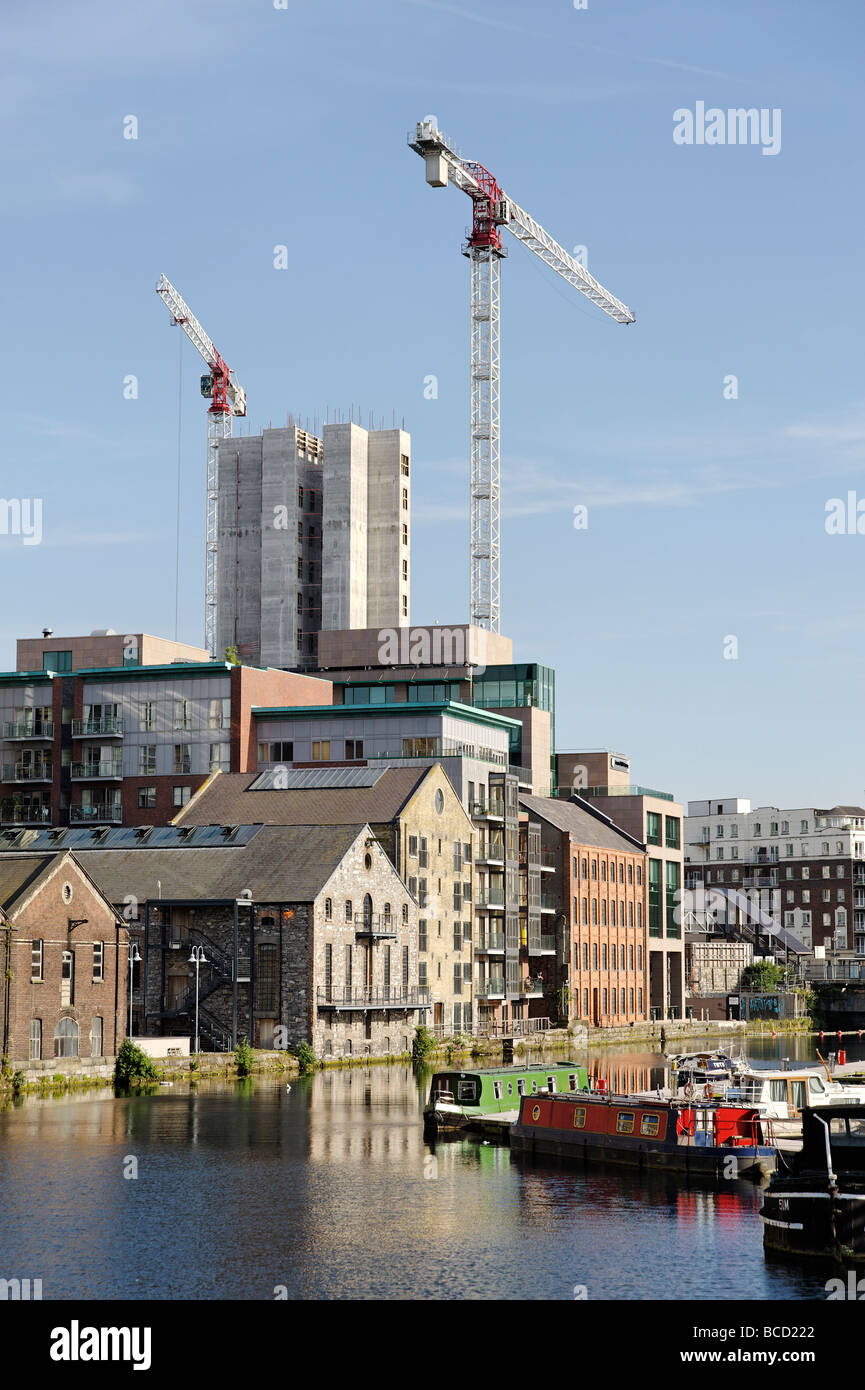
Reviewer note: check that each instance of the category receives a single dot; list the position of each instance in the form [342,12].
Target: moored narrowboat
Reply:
[458,1097]
[816,1209]
[708,1137]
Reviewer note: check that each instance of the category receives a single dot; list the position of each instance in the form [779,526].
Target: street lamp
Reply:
[197,958]
[134,958]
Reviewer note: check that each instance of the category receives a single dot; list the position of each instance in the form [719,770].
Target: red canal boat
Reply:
[642,1132]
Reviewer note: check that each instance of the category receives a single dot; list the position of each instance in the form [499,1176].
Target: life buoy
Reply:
[690,1089]
[708,1091]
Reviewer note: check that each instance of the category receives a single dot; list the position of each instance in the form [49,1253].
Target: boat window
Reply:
[521,1086]
[778,1090]
[534,1087]
[551,1083]
[848,1126]
[649,1124]
[510,1088]
[625,1122]
[498,1090]
[816,1085]
[579,1117]
[572,1082]
[467,1090]
[797,1094]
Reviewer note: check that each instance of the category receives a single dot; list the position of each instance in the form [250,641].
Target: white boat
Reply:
[782,1095]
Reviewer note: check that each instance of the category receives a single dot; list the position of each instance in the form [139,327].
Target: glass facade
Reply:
[655,898]
[673,923]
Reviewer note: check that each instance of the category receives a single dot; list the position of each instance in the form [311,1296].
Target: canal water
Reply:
[249,1190]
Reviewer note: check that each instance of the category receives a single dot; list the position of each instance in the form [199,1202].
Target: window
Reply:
[183,714]
[349,910]
[625,1122]
[405,571]
[36,951]
[146,798]
[405,499]
[671,831]
[267,977]
[405,913]
[67,972]
[36,1040]
[328,909]
[96,1037]
[66,1037]
[653,828]
[423,941]
[98,967]
[649,1124]
[594,869]
[758,829]
[604,956]
[404,534]
[220,757]
[585,955]
[803,827]
[353,748]
[56,661]
[146,716]
[585,912]
[219,716]
[181,795]
[594,912]
[403,464]
[603,871]
[182,758]
[281,751]
[630,873]
[321,751]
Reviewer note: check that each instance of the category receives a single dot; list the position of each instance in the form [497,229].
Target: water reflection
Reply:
[330,1189]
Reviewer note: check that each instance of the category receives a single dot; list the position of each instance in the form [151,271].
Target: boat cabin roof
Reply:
[535,1069]
[846,1126]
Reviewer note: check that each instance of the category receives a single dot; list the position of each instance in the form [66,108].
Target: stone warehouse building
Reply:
[417,818]
[64,953]
[307,931]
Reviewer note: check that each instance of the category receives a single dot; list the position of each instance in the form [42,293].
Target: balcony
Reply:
[490,902]
[618,791]
[493,853]
[25,815]
[546,859]
[397,997]
[488,810]
[550,905]
[491,941]
[109,727]
[542,945]
[25,729]
[98,772]
[531,987]
[110,812]
[374,928]
[24,772]
[491,988]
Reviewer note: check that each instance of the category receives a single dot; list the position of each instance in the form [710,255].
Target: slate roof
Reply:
[587,827]
[279,864]
[18,872]
[227,800]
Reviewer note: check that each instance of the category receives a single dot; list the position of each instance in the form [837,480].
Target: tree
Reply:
[764,975]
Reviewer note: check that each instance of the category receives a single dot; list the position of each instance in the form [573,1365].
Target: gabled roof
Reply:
[587,825]
[229,799]
[278,864]
[18,872]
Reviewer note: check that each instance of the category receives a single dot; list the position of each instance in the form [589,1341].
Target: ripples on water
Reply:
[331,1191]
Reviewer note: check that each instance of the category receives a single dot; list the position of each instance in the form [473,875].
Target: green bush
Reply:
[762,976]
[244,1057]
[423,1044]
[305,1057]
[133,1065]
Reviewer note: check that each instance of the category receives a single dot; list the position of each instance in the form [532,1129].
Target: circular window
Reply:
[367,861]
[67,892]
[536,1112]
[440,801]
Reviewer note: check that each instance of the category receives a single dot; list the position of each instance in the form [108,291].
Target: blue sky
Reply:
[261,127]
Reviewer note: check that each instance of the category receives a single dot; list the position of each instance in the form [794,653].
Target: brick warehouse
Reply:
[65,955]
[307,929]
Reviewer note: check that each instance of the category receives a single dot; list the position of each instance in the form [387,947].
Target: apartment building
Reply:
[599,890]
[655,819]
[129,743]
[804,867]
[314,534]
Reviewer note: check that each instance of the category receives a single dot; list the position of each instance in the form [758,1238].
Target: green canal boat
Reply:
[458,1097]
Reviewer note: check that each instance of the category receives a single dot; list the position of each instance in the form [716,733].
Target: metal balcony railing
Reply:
[25,815]
[541,944]
[493,808]
[531,984]
[26,772]
[491,941]
[493,987]
[484,899]
[23,728]
[397,997]
[83,772]
[109,727]
[112,812]
[374,926]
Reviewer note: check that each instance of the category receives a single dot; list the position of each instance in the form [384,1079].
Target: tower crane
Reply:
[228,397]
[492,209]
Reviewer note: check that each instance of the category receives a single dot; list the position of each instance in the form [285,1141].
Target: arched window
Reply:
[67,971]
[66,1038]
[36,1040]
[349,911]
[328,909]
[387,913]
[96,1038]
[367,909]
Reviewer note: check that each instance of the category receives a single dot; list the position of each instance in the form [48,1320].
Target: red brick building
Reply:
[64,953]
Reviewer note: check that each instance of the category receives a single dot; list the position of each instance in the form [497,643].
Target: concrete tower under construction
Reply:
[314,535]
